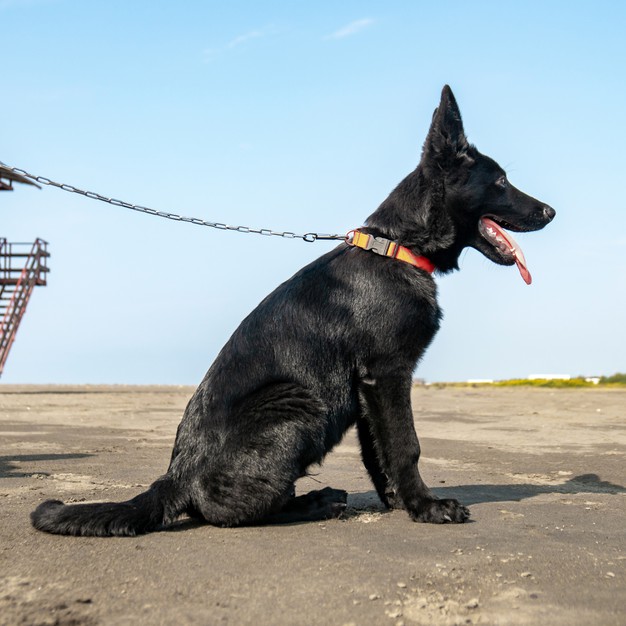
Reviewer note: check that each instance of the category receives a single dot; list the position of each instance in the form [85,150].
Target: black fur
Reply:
[335,345]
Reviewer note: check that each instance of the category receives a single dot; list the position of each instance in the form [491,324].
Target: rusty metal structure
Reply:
[23,266]
[8,177]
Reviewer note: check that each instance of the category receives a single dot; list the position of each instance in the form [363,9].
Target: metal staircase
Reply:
[23,266]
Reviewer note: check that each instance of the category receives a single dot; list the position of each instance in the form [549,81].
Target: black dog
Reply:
[335,345]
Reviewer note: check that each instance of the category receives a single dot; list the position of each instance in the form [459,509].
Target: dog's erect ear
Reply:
[446,141]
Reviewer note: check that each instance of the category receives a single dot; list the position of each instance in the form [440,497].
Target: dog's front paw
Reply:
[441,512]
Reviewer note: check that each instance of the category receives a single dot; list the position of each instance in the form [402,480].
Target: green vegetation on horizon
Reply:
[579,381]
[616,380]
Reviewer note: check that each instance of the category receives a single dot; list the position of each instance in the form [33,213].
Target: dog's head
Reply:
[458,197]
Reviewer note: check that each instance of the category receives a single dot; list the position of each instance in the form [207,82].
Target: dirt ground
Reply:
[542,470]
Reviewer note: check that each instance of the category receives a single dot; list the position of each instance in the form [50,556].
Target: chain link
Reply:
[308,237]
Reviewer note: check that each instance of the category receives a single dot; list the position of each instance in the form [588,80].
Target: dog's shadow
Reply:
[368,501]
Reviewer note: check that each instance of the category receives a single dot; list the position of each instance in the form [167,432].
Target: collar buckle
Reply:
[378,245]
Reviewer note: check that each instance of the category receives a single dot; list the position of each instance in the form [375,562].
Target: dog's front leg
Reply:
[370,456]
[386,409]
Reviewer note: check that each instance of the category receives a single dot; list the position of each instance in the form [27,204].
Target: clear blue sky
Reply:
[303,116]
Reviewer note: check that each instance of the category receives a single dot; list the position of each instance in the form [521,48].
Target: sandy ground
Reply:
[542,470]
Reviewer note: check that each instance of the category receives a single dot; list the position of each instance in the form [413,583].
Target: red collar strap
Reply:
[386,247]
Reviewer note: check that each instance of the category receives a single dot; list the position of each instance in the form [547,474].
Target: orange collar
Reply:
[386,247]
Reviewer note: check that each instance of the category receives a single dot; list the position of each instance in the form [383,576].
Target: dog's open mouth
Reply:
[505,244]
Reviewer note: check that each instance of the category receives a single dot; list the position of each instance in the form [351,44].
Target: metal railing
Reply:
[23,266]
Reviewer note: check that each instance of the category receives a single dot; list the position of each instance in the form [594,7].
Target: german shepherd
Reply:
[333,346]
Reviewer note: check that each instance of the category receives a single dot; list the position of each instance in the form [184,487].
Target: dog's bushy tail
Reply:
[147,512]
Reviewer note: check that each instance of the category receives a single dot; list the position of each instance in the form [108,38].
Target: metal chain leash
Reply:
[308,237]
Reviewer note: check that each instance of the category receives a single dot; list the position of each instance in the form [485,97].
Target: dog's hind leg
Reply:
[386,407]
[246,475]
[310,507]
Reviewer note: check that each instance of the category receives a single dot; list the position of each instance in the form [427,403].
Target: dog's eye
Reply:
[502,182]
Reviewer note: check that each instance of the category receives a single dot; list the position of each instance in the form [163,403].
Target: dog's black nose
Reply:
[548,212]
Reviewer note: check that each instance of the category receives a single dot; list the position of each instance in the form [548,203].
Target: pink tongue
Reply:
[497,235]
